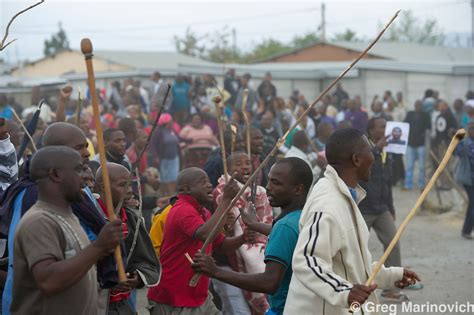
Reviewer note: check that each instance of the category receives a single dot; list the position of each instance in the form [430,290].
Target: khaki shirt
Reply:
[48,232]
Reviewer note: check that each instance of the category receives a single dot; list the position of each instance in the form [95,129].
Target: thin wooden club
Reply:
[86,48]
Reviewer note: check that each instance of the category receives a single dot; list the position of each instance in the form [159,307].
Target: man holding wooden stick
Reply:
[24,193]
[53,258]
[250,257]
[187,226]
[332,258]
[143,268]
[289,183]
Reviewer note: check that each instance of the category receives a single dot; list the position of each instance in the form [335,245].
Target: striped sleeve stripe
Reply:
[278,260]
[311,260]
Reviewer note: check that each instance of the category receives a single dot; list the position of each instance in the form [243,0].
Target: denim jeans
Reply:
[469,220]
[415,154]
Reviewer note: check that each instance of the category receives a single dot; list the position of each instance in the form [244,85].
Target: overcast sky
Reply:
[151,25]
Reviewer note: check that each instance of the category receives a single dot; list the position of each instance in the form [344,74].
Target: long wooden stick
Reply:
[248,143]
[86,48]
[27,133]
[155,124]
[449,152]
[246,122]
[233,129]
[78,107]
[217,100]
[140,215]
[450,178]
[281,141]
[140,155]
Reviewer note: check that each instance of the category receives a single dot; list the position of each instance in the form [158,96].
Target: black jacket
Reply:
[214,166]
[379,187]
[143,257]
[419,123]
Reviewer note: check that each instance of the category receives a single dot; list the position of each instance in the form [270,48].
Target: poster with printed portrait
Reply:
[397,137]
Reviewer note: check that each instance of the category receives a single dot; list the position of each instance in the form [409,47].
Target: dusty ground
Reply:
[431,246]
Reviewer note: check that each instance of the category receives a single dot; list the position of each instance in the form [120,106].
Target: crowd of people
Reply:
[294,242]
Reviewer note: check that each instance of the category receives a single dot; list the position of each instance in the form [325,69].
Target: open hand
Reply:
[409,278]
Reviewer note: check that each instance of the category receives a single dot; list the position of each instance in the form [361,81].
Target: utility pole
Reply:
[472,23]
[323,21]
[234,43]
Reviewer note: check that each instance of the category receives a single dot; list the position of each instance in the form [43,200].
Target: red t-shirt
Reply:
[185,217]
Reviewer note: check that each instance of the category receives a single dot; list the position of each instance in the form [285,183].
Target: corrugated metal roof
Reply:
[279,70]
[6,67]
[413,52]
[7,80]
[399,51]
[149,60]
[330,69]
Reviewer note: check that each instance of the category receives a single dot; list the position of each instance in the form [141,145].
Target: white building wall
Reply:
[367,84]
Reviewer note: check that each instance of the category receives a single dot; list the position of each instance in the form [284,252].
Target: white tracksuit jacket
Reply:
[332,252]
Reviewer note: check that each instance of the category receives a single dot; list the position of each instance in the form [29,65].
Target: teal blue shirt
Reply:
[280,247]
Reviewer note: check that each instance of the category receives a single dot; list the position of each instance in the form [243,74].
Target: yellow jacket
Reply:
[158,228]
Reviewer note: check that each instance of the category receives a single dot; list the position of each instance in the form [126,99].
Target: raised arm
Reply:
[63,98]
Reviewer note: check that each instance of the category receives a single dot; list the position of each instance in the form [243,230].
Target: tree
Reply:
[3,42]
[303,41]
[190,44]
[57,43]
[348,36]
[221,49]
[411,29]
[267,48]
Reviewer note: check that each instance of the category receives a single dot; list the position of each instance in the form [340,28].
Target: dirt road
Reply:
[432,246]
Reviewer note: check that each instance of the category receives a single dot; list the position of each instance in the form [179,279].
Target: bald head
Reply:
[69,135]
[62,133]
[188,176]
[115,171]
[119,184]
[194,182]
[52,157]
[58,171]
